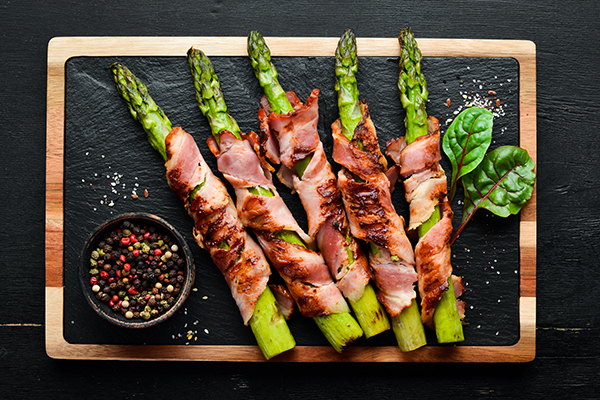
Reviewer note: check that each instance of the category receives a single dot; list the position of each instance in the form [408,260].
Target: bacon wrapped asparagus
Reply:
[289,136]
[418,155]
[366,194]
[263,210]
[217,226]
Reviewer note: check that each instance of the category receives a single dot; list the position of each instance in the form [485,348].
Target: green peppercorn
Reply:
[153,262]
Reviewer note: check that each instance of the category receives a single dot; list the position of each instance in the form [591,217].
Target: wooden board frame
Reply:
[60,49]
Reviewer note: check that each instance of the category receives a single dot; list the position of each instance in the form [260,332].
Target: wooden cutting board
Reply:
[59,337]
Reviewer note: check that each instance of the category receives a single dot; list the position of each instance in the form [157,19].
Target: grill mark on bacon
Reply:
[364,203]
[243,264]
[303,270]
[365,164]
[371,214]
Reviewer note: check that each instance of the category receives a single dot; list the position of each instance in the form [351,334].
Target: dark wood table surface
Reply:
[568,208]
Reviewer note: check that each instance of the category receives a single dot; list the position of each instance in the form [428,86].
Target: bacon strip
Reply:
[243,263]
[297,135]
[371,214]
[425,188]
[303,270]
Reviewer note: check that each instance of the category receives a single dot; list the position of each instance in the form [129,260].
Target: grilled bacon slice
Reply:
[303,270]
[425,188]
[366,196]
[241,261]
[298,138]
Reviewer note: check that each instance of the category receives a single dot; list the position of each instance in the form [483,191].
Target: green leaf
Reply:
[502,184]
[466,141]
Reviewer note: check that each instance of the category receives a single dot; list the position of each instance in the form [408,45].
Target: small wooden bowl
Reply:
[103,309]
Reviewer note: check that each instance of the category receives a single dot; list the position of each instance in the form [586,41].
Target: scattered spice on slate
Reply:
[137,271]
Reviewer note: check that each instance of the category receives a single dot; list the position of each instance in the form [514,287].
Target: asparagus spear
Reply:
[264,70]
[340,329]
[407,326]
[413,94]
[367,309]
[267,322]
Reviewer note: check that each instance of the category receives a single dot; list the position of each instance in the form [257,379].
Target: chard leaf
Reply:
[502,184]
[466,141]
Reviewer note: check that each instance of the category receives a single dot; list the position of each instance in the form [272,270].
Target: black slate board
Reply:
[104,146]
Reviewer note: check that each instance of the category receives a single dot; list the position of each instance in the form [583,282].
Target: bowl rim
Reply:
[104,310]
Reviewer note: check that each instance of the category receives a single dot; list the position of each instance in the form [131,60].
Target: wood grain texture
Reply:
[57,347]
[61,49]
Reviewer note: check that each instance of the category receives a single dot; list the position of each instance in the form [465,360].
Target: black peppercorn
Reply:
[130,267]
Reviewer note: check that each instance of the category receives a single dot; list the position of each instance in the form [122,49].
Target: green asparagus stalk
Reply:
[264,70]
[212,104]
[339,329]
[407,326]
[267,322]
[260,59]
[346,67]
[413,94]
[367,309]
